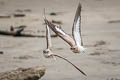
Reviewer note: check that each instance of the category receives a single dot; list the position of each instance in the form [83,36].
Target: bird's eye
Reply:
[72,48]
[45,51]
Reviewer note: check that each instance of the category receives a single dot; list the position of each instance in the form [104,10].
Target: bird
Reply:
[49,54]
[76,41]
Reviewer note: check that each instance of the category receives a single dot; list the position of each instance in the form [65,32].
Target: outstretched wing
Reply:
[60,33]
[48,37]
[70,63]
[76,29]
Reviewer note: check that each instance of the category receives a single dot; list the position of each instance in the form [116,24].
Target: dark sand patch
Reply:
[25,57]
[19,15]
[1,52]
[96,53]
[114,21]
[100,43]
[57,22]
[113,79]
[23,10]
[111,50]
[4,16]
[111,63]
[55,13]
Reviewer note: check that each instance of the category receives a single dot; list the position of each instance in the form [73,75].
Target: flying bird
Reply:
[76,42]
[49,54]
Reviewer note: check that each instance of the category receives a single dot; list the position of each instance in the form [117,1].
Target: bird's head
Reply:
[77,49]
[48,54]
[46,51]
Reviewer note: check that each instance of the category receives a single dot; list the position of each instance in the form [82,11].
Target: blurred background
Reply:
[100,31]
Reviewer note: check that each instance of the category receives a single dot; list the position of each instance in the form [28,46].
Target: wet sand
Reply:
[100,30]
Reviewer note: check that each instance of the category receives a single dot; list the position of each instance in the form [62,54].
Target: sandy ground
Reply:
[101,36]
